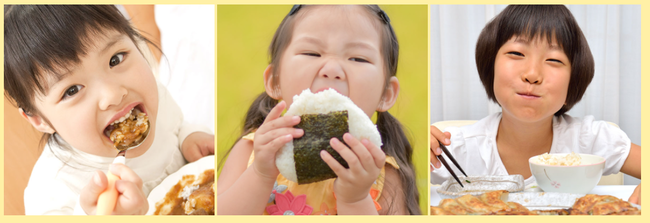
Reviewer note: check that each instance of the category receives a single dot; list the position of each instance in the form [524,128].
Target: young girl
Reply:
[536,64]
[352,49]
[72,71]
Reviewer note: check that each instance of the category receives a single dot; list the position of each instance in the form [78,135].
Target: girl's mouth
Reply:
[528,95]
[129,130]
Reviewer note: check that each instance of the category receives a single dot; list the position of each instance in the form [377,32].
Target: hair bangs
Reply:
[532,22]
[44,42]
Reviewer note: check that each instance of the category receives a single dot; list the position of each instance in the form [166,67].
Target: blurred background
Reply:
[614,36]
[244,33]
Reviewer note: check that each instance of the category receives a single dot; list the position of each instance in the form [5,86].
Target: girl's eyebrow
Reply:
[525,41]
[310,39]
[60,76]
[112,41]
[355,44]
[53,79]
[363,45]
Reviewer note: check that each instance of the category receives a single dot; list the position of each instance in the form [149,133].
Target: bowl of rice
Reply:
[567,172]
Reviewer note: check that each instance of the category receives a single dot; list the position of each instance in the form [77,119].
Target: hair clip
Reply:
[294,9]
[383,16]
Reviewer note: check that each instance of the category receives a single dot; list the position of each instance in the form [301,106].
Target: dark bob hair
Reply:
[553,22]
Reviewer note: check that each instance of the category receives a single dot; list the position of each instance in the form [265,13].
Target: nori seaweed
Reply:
[319,130]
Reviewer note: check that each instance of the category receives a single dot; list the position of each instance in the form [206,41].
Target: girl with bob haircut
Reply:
[536,64]
[316,47]
[73,70]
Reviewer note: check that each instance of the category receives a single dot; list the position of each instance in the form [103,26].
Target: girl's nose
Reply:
[332,69]
[111,95]
[532,75]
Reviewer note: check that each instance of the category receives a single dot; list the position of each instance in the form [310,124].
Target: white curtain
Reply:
[614,36]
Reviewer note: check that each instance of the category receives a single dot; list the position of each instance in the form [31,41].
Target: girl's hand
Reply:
[130,199]
[271,136]
[365,161]
[636,195]
[197,145]
[437,136]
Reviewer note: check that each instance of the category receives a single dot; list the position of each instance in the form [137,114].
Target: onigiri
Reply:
[324,115]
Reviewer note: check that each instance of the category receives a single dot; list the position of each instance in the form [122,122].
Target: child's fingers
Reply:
[125,173]
[287,121]
[275,133]
[360,150]
[347,154]
[377,154]
[208,149]
[274,121]
[275,112]
[434,161]
[338,169]
[439,136]
[131,199]
[90,193]
[193,153]
[277,143]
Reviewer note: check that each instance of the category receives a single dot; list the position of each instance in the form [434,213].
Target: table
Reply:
[621,191]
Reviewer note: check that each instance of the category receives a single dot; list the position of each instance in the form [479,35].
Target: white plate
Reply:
[195,168]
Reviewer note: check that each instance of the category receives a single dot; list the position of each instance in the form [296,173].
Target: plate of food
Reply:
[188,191]
[502,202]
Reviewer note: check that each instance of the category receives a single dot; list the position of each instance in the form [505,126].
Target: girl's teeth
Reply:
[127,115]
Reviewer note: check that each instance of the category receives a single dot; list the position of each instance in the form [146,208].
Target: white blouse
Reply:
[475,149]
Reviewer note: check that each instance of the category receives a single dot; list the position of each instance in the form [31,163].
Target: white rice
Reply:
[360,125]
[571,159]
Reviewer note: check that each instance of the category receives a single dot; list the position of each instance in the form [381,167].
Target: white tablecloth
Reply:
[621,191]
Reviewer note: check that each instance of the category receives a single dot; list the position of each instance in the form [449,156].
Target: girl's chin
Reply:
[526,115]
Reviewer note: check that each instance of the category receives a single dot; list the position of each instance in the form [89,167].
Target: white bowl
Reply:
[578,179]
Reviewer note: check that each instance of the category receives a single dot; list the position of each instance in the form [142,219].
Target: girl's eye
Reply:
[516,53]
[71,91]
[311,54]
[555,60]
[116,59]
[356,59]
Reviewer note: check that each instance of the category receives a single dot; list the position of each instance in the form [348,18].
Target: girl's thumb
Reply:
[90,193]
[99,182]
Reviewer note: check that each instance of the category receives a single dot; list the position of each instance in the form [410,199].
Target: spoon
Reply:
[107,199]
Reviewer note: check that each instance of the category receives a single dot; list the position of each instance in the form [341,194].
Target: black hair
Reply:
[552,22]
[43,41]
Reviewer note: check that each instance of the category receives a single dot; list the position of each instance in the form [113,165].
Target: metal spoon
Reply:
[136,143]
[107,199]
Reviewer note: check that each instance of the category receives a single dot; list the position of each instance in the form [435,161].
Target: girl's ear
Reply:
[390,95]
[271,90]
[37,121]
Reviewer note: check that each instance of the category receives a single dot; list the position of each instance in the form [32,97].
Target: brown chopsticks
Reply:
[442,160]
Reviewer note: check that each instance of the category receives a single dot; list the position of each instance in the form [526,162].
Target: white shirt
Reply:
[54,187]
[475,148]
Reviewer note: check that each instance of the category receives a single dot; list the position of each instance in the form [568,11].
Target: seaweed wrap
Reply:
[324,115]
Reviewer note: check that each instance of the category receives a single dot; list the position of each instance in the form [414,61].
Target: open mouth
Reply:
[129,130]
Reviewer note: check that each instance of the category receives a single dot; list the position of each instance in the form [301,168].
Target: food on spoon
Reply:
[324,115]
[190,196]
[129,130]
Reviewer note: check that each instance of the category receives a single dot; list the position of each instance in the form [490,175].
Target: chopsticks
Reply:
[442,160]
